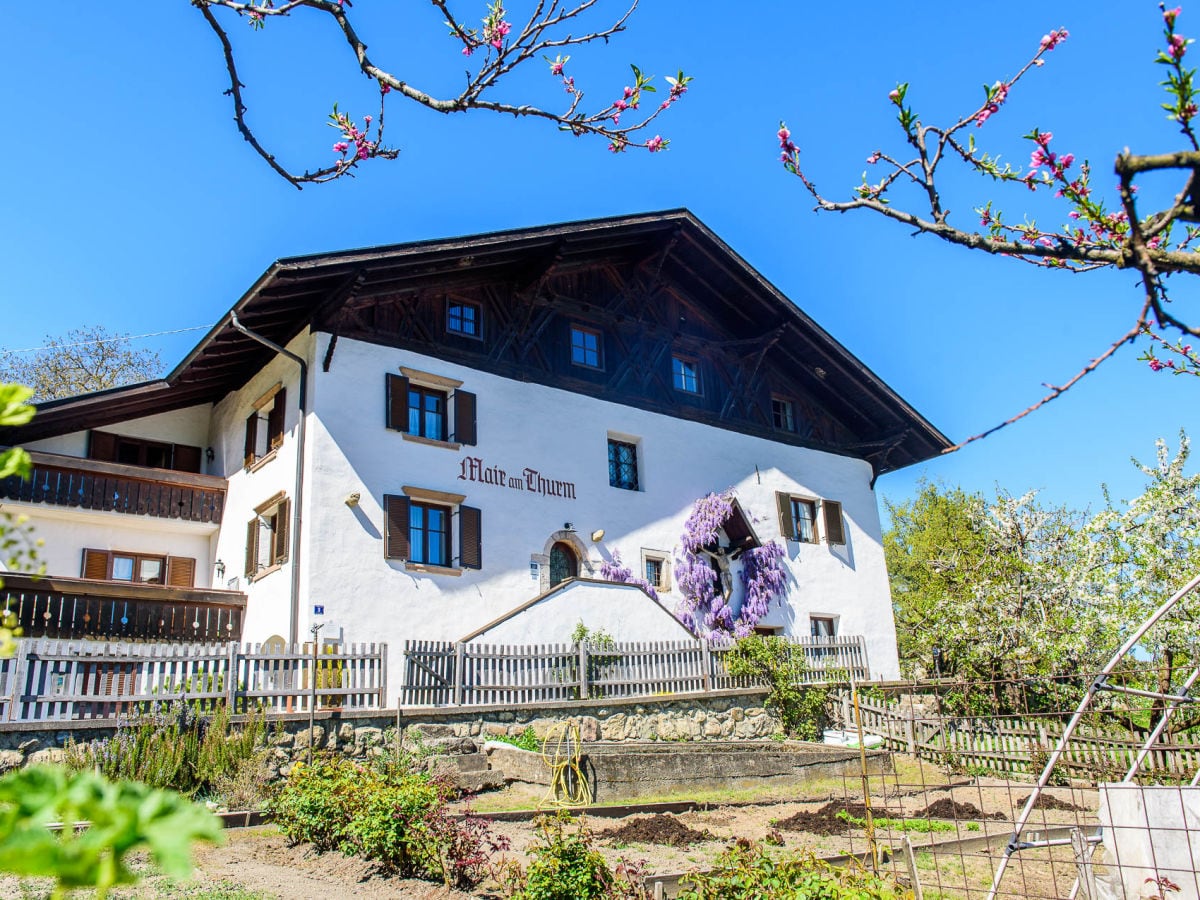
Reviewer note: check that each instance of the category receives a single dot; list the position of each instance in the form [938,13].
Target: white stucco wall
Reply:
[622,611]
[564,436]
[268,608]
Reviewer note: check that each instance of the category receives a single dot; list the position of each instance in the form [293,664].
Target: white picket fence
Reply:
[441,673]
[67,680]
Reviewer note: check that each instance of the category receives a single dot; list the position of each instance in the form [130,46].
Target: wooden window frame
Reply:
[459,416]
[828,523]
[177,571]
[451,304]
[273,517]
[681,378]
[813,619]
[810,506]
[614,465]
[586,331]
[786,412]
[663,585]
[269,412]
[464,530]
[423,393]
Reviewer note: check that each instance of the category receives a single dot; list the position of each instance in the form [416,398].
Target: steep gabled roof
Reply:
[297,292]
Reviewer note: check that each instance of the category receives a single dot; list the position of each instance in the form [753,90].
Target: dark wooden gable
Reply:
[652,284]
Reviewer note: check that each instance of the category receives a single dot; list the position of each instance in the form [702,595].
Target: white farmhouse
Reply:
[446,440]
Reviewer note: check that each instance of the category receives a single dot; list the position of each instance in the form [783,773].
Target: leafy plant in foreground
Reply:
[122,817]
[567,866]
[747,871]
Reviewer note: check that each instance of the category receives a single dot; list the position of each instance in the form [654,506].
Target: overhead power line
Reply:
[126,337]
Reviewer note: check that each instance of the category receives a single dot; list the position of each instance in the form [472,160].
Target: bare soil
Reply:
[946,808]
[657,829]
[1049,801]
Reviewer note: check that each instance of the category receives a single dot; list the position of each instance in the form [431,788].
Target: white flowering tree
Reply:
[492,42]
[909,174]
[983,590]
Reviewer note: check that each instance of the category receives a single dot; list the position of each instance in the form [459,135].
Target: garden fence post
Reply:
[706,657]
[231,672]
[383,678]
[583,679]
[459,686]
[17,667]
[910,736]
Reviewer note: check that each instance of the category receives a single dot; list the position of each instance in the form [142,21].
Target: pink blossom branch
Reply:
[503,53]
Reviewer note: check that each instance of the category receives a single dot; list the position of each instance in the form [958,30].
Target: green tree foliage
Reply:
[1008,589]
[988,585]
[772,661]
[122,817]
[83,360]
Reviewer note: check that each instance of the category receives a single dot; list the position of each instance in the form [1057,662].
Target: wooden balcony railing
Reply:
[90,484]
[75,608]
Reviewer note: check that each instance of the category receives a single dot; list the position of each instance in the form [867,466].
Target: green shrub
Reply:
[386,811]
[801,708]
[747,871]
[567,866]
[526,740]
[174,746]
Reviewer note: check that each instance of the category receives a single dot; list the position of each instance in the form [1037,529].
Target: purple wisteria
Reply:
[615,570]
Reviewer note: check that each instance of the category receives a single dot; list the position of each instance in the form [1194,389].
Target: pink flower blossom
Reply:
[1178,46]
[341,147]
[874,158]
[654,144]
[1155,365]
[894,96]
[1054,38]
[1169,15]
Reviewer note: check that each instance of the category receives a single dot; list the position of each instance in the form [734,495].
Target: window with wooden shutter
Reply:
[396,540]
[252,547]
[275,419]
[470,537]
[95,564]
[835,532]
[397,402]
[787,525]
[181,571]
[464,418]
[251,437]
[102,445]
[281,520]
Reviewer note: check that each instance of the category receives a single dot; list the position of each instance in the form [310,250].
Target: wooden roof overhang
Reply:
[298,292]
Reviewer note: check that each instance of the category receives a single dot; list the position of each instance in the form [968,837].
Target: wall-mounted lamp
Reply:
[352,499]
[220,567]
[597,535]
[568,526]
[209,454]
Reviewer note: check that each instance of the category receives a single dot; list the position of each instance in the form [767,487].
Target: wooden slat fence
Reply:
[1012,745]
[443,673]
[68,680]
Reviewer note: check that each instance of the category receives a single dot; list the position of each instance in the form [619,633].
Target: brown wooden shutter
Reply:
[102,446]
[395,514]
[186,459]
[181,571]
[787,527]
[251,436]
[275,419]
[397,402]
[470,537]
[283,513]
[464,418]
[252,547]
[95,564]
[835,532]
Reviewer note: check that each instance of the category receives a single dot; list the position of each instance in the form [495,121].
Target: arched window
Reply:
[564,563]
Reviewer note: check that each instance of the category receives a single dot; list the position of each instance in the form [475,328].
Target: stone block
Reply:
[613,728]
[346,732]
[49,756]
[430,731]
[11,759]
[368,736]
[304,739]
[515,764]
[589,729]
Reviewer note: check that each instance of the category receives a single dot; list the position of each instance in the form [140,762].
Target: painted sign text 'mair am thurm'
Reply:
[473,469]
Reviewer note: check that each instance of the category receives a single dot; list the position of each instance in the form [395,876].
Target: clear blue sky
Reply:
[129,198]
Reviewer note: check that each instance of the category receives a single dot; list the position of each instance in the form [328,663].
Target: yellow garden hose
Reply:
[568,782]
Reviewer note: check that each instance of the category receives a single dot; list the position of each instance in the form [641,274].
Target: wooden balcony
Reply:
[75,608]
[69,481]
